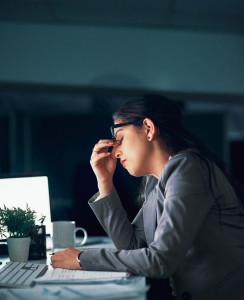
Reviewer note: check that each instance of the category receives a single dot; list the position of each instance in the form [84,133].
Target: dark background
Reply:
[60,145]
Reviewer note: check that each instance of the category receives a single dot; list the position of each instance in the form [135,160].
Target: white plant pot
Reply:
[18,248]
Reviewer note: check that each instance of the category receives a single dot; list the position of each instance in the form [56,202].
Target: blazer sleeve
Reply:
[114,220]
[183,188]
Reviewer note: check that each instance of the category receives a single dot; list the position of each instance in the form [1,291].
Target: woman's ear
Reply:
[149,128]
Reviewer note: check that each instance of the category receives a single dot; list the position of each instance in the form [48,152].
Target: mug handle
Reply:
[84,238]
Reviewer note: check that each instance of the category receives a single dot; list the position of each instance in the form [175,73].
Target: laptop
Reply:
[33,190]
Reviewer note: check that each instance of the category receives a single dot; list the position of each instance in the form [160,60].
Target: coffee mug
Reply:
[64,234]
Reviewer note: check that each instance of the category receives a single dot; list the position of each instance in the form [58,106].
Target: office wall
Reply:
[4,144]
[160,60]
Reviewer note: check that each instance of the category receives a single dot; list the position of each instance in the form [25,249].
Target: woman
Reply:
[191,225]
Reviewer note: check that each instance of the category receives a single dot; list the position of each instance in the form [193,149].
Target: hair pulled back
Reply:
[166,115]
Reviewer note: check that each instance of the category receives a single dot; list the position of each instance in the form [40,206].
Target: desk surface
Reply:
[134,289]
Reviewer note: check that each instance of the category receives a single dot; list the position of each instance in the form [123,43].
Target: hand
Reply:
[103,162]
[66,259]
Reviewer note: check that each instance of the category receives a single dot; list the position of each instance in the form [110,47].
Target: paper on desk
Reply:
[78,276]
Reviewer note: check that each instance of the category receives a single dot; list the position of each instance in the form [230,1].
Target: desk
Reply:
[135,289]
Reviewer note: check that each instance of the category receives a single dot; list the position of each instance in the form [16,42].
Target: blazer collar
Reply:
[149,210]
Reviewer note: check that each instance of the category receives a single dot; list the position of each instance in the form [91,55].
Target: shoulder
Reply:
[183,161]
[185,169]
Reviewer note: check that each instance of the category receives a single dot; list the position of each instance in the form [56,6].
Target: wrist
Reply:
[78,258]
[105,188]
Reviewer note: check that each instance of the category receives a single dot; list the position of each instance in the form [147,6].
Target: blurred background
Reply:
[66,65]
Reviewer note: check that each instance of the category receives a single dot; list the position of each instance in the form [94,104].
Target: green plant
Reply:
[16,221]
[42,219]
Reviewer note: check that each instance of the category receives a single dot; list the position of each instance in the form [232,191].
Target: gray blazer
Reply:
[179,232]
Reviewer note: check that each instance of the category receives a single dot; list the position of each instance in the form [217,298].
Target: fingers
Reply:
[98,156]
[67,259]
[55,261]
[103,145]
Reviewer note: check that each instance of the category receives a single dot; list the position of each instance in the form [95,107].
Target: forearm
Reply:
[115,222]
[105,188]
[144,261]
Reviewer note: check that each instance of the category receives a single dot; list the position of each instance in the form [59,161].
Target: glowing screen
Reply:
[34,191]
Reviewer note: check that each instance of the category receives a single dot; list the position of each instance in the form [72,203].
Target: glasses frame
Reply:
[122,125]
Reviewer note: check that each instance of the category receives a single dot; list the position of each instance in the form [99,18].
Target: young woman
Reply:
[191,224]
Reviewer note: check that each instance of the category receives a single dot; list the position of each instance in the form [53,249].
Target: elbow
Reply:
[152,264]
[133,244]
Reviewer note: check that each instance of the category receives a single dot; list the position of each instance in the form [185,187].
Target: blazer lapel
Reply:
[149,216]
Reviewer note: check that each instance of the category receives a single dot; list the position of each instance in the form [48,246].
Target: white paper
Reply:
[78,276]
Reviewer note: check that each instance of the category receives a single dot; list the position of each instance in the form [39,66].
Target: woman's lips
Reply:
[123,162]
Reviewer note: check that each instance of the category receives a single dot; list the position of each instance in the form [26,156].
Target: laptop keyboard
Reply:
[19,274]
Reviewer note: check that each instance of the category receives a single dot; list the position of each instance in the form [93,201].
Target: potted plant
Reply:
[18,223]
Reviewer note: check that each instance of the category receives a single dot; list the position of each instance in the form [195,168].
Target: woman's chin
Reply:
[135,173]
[131,171]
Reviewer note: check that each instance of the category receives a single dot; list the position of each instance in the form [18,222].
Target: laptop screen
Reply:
[34,191]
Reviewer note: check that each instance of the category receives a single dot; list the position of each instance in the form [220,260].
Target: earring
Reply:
[149,138]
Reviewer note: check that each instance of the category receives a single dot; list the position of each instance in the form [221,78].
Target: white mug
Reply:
[64,234]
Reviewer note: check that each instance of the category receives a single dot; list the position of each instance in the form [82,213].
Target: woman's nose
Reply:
[117,153]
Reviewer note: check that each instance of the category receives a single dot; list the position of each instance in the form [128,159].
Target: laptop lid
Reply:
[34,191]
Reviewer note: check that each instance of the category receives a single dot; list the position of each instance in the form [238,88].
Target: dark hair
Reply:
[166,115]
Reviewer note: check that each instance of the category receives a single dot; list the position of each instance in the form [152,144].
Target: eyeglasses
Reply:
[121,125]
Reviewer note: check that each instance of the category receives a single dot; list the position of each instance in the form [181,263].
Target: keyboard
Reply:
[20,274]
